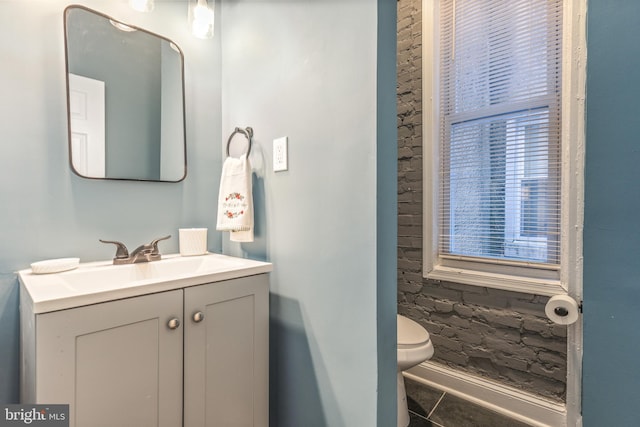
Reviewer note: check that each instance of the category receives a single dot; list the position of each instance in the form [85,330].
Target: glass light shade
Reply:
[201,19]
[141,5]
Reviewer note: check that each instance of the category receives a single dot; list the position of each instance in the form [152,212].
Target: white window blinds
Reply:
[499,126]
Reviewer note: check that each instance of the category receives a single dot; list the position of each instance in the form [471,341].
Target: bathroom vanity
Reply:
[181,341]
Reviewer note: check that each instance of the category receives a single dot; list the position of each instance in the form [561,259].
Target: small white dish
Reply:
[54,265]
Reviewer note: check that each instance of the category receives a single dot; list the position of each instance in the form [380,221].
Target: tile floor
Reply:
[429,407]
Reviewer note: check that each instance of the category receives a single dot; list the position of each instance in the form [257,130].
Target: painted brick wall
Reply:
[499,335]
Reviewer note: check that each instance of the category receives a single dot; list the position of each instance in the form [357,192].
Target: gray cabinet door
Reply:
[116,363]
[227,354]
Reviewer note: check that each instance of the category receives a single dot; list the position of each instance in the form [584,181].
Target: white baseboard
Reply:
[509,401]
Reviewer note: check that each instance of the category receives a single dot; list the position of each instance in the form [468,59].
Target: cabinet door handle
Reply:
[198,316]
[173,323]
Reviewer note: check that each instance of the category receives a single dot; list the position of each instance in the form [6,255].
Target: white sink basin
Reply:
[116,276]
[101,281]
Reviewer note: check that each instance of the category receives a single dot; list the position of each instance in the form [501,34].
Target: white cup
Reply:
[193,241]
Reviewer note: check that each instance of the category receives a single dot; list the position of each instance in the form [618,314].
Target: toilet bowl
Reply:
[414,347]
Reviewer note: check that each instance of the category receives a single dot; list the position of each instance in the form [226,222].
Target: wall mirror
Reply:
[125,100]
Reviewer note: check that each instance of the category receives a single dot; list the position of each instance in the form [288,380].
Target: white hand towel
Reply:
[235,200]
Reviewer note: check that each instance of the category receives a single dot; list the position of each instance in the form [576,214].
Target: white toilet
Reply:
[414,347]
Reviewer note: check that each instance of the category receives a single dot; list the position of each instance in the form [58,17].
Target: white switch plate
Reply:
[280,161]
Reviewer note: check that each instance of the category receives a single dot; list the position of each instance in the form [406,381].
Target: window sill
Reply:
[536,286]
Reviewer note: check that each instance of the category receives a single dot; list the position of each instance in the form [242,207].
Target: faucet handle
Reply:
[121,252]
[154,244]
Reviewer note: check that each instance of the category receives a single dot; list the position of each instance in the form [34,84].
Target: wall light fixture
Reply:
[201,18]
[141,5]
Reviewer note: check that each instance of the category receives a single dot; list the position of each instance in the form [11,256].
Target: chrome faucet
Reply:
[143,253]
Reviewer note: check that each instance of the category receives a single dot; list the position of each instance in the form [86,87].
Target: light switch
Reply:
[280,162]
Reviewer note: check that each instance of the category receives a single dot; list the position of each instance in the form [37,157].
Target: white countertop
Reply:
[102,281]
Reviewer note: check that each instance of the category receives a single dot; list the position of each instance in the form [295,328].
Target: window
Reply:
[496,209]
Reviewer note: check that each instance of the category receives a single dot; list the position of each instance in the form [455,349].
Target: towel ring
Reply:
[247,132]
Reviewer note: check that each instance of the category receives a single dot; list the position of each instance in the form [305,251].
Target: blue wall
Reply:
[387,211]
[323,74]
[611,390]
[48,212]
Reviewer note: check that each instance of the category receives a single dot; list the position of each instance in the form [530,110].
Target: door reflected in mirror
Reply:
[125,100]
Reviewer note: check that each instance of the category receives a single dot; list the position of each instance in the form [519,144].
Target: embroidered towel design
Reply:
[235,200]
